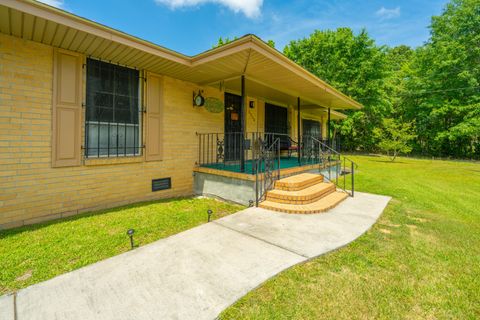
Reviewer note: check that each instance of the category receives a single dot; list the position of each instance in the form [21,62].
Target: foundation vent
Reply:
[161,184]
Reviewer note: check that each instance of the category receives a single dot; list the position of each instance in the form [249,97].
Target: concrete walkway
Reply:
[197,273]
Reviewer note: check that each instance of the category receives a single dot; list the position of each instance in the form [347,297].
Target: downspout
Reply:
[298,132]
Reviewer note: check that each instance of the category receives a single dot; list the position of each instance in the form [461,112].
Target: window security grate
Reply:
[112,126]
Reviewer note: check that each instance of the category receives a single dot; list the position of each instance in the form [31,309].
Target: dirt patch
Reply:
[418,235]
[386,231]
[422,220]
[25,276]
[393,225]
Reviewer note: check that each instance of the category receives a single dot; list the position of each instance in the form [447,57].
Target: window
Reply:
[112,126]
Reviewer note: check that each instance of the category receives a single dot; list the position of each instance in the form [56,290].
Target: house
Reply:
[91,118]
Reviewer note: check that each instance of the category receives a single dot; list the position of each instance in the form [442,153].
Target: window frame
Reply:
[138,137]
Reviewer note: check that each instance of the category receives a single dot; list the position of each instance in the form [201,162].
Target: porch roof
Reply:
[269,73]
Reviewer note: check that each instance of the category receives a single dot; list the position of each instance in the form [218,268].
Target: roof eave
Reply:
[248,41]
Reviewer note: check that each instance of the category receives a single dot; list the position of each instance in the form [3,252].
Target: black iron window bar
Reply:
[123,139]
[113,116]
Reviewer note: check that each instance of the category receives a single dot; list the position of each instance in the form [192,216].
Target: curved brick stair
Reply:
[303,193]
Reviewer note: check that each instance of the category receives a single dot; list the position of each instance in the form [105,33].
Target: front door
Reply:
[276,122]
[312,128]
[233,126]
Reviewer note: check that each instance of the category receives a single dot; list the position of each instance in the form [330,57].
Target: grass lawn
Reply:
[420,261]
[36,253]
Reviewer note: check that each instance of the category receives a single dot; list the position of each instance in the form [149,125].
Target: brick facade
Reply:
[32,191]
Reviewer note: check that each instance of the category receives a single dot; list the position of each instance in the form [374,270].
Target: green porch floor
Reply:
[234,166]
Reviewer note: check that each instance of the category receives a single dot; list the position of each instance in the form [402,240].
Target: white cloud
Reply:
[386,14]
[53,3]
[251,8]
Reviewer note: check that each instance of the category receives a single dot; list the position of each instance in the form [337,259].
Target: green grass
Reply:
[36,253]
[421,260]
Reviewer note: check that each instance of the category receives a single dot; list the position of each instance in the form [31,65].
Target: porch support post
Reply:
[299,149]
[328,129]
[242,134]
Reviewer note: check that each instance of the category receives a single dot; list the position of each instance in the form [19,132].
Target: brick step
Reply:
[298,182]
[321,205]
[304,196]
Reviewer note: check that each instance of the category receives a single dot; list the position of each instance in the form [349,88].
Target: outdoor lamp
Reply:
[130,233]
[209,212]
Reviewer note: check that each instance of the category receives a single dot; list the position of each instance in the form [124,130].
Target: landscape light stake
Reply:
[209,212]
[130,233]
[250,203]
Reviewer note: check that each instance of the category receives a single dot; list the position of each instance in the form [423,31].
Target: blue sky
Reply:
[193,26]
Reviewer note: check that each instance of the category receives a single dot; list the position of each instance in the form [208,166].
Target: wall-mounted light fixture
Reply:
[251,104]
[198,99]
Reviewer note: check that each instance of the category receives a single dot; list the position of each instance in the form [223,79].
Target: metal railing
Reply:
[310,150]
[220,148]
[343,167]
[259,153]
[225,151]
[267,168]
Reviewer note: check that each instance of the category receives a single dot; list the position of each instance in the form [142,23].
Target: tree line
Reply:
[430,94]
[425,99]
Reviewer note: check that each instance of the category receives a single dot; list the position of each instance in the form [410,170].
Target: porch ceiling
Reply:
[257,89]
[334,115]
[274,80]
[269,72]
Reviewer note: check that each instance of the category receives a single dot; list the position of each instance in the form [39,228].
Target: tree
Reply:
[355,65]
[443,92]
[399,64]
[394,137]
[434,89]
[222,41]
[271,43]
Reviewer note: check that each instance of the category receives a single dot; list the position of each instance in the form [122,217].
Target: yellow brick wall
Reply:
[30,189]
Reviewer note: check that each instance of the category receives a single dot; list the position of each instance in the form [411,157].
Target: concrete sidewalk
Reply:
[197,273]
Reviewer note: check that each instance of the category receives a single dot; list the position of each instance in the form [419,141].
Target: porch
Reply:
[226,152]
[291,135]
[244,168]
[277,123]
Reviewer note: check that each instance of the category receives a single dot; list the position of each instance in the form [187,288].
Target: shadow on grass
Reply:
[11,232]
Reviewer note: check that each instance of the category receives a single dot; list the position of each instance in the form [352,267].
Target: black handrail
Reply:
[342,169]
[267,176]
